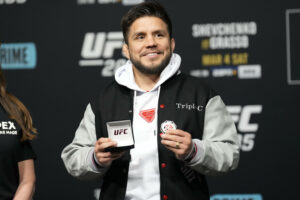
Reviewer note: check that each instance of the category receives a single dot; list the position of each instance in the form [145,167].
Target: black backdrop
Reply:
[56,53]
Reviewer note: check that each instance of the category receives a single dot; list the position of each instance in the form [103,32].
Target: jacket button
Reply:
[165,197]
[162,106]
[163,165]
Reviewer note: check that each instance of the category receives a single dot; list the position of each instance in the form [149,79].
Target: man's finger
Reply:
[172,138]
[177,132]
[103,140]
[173,144]
[108,155]
[103,146]
[103,154]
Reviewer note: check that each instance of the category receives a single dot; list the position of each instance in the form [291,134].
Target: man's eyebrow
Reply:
[142,32]
[160,31]
[138,33]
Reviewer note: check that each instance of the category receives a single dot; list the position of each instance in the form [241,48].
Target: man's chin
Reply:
[151,63]
[147,67]
[150,69]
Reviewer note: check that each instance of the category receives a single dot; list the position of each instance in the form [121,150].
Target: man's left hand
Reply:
[178,141]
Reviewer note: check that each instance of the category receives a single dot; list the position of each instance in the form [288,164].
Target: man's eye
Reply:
[159,35]
[139,37]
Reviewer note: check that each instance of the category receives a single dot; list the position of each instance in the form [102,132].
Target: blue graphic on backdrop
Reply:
[18,55]
[236,197]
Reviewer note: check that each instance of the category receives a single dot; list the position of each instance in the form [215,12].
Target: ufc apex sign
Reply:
[12,2]
[102,49]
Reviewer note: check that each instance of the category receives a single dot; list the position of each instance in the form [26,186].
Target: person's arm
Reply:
[218,151]
[78,156]
[27,180]
[85,157]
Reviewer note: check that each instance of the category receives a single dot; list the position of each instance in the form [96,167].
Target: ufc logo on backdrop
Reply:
[12,1]
[96,45]
[241,115]
[98,49]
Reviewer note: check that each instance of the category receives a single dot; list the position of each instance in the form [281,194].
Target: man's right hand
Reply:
[106,158]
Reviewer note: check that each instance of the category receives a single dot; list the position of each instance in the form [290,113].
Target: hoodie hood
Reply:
[124,75]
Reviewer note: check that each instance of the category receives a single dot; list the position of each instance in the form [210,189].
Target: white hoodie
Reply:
[143,175]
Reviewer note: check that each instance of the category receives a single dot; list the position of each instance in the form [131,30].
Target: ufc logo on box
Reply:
[120,132]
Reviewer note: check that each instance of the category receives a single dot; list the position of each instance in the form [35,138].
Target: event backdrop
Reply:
[57,54]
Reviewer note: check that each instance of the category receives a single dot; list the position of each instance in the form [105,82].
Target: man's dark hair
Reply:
[149,8]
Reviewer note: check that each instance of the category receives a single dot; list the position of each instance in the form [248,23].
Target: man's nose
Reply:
[151,42]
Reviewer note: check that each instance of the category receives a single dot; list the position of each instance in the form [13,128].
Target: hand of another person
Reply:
[105,158]
[178,141]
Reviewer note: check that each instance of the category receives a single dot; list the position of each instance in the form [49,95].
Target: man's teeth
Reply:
[152,54]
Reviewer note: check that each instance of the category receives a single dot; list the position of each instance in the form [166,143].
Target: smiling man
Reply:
[181,128]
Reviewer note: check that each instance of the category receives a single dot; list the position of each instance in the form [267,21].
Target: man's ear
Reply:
[125,50]
[173,44]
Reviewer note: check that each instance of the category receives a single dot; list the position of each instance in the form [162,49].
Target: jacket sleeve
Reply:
[218,151]
[78,156]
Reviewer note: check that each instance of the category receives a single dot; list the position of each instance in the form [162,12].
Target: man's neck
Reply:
[145,81]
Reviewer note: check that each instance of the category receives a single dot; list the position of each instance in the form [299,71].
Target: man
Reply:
[181,127]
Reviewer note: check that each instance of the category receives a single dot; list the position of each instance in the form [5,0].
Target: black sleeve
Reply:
[25,152]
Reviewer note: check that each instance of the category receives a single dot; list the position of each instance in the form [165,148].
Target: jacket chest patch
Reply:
[167,125]
[148,115]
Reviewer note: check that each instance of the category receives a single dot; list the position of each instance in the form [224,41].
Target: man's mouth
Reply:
[152,54]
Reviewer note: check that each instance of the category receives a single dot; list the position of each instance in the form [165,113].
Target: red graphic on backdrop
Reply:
[148,115]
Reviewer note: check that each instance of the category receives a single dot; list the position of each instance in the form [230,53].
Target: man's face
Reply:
[149,45]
